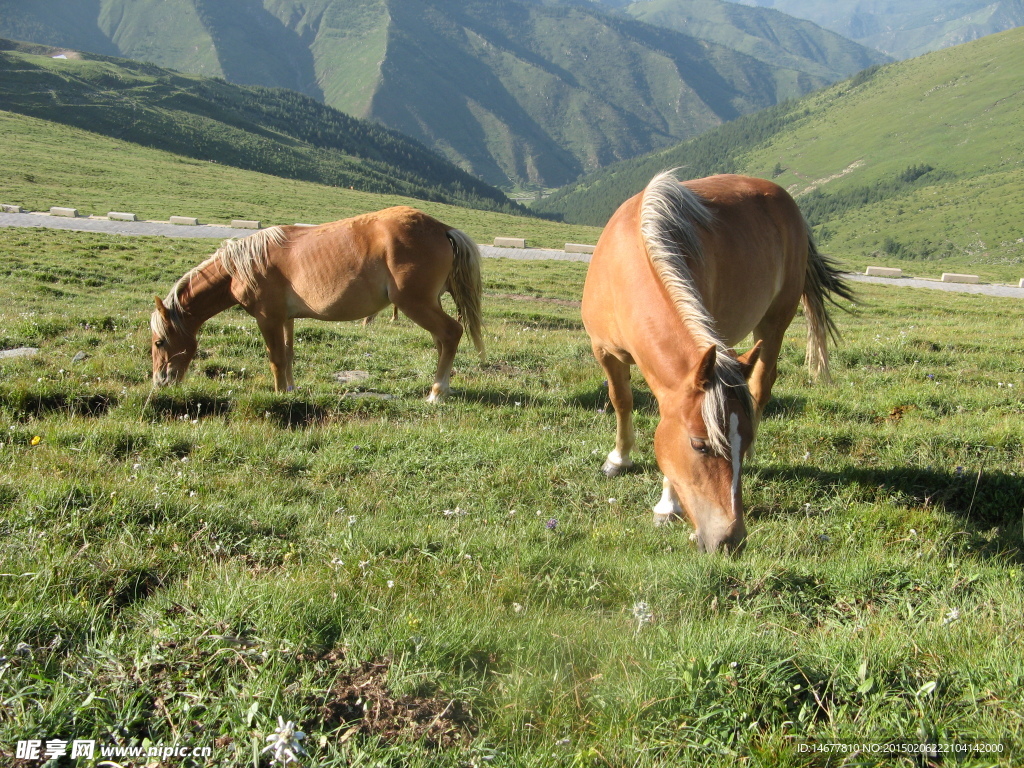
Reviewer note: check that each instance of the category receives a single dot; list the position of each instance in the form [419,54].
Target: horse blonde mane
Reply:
[242,258]
[671,217]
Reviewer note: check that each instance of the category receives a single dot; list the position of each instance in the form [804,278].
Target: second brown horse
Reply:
[681,273]
[345,270]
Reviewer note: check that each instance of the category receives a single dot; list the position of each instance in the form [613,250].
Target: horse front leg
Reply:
[620,393]
[274,335]
[668,508]
[289,353]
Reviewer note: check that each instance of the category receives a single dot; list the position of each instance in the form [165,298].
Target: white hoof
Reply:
[615,465]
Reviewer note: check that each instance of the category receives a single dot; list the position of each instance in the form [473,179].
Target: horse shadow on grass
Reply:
[988,505]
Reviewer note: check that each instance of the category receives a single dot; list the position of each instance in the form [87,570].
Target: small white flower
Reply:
[351,519]
[953,615]
[642,613]
[391,584]
[285,743]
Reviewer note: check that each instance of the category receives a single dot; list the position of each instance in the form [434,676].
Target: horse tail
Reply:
[824,282]
[466,286]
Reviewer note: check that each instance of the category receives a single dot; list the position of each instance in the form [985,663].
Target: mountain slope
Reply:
[906,28]
[511,90]
[270,130]
[920,159]
[765,34]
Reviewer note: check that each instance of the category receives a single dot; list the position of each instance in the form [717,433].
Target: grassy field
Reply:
[459,585]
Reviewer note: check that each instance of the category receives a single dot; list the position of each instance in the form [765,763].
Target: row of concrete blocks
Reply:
[519,242]
[947,277]
[188,221]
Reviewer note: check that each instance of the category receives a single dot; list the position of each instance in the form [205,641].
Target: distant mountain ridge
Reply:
[511,90]
[906,28]
[271,130]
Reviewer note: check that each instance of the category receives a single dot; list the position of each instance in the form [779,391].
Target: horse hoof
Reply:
[612,469]
[662,519]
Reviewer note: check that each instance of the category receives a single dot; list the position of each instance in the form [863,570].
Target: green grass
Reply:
[106,174]
[183,567]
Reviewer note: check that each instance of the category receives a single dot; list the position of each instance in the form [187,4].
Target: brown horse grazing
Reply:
[681,273]
[345,270]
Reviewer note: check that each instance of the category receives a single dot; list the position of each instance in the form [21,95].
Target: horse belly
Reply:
[339,294]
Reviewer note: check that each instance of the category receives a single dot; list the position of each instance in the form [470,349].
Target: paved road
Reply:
[220,233]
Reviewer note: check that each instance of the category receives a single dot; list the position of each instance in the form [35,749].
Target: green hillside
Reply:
[273,131]
[923,159]
[515,92]
[47,163]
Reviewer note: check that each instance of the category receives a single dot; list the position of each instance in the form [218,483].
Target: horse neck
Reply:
[672,355]
[205,294]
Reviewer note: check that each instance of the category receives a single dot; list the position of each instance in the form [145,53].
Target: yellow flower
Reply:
[36,440]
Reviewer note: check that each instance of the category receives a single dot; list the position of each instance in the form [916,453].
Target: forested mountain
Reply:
[271,130]
[511,90]
[905,28]
[915,159]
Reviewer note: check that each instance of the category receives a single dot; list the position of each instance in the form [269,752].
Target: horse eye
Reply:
[700,446]
[158,343]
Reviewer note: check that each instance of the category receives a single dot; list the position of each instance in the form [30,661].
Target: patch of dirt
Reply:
[360,703]
[542,299]
[896,414]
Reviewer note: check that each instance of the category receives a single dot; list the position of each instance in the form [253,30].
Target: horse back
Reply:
[353,267]
[755,253]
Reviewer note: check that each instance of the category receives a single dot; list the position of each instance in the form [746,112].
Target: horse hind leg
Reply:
[621,395]
[447,333]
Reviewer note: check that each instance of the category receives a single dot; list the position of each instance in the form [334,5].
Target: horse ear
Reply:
[748,360]
[160,307]
[705,369]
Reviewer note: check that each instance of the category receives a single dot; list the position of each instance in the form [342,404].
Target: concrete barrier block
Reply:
[246,224]
[509,242]
[1021,283]
[953,277]
[185,221]
[11,208]
[578,248]
[71,213]
[884,271]
[121,216]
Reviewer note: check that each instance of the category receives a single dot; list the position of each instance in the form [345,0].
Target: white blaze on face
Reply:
[736,443]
